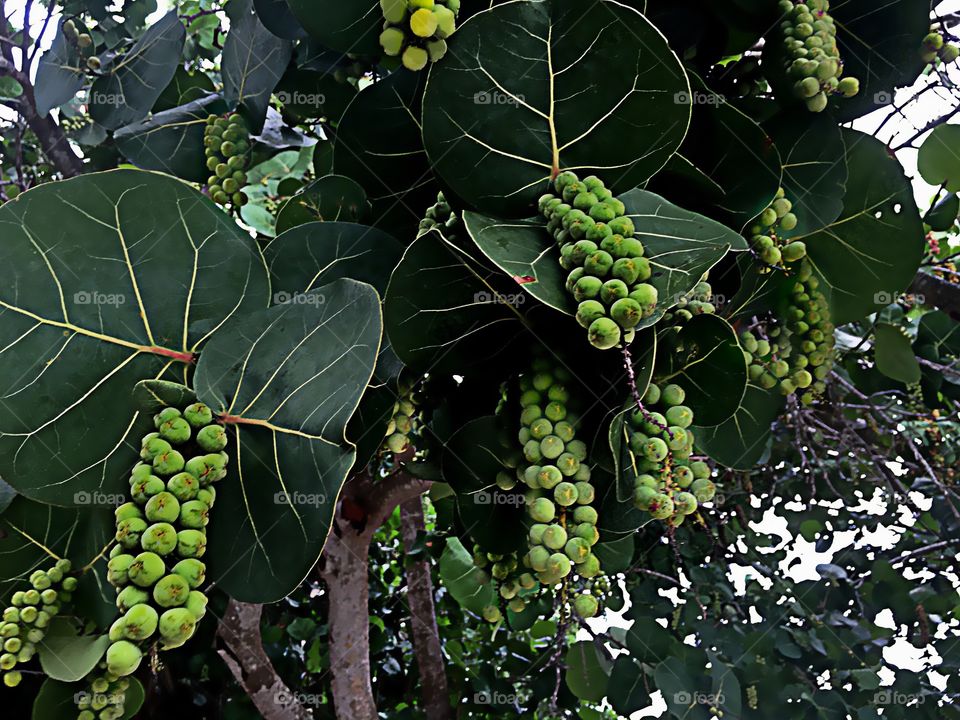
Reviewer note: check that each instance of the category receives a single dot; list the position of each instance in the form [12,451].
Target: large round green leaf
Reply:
[705,359]
[347,26]
[872,251]
[68,656]
[587,671]
[252,63]
[309,256]
[880,45]
[814,168]
[59,74]
[444,312]
[331,197]
[463,579]
[741,441]
[31,531]
[105,280]
[379,145]
[735,153]
[171,141]
[592,89]
[128,89]
[285,381]
[680,244]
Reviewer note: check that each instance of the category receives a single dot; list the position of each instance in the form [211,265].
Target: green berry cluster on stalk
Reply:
[559,496]
[227,143]
[161,535]
[416,31]
[515,583]
[669,484]
[607,269]
[813,60]
[405,422]
[796,353]
[765,235]
[26,620]
[104,697]
[699,301]
[934,48]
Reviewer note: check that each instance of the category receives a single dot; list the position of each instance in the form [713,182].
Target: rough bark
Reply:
[344,569]
[244,654]
[423,619]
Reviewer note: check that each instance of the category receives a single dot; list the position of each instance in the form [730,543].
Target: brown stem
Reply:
[244,654]
[52,139]
[937,292]
[423,620]
[344,568]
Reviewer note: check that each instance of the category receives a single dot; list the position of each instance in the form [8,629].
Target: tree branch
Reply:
[244,655]
[52,139]
[940,293]
[423,619]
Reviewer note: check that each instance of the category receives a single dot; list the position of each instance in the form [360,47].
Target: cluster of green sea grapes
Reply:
[25,622]
[699,301]
[82,41]
[934,47]
[161,535]
[813,60]
[559,497]
[515,584]
[752,698]
[75,123]
[405,421]
[797,354]
[417,30]
[668,485]
[440,216]
[226,140]
[607,268]
[104,697]
[765,238]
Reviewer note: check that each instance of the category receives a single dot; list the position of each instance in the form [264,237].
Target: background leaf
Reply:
[252,63]
[133,82]
[894,354]
[67,656]
[741,441]
[59,76]
[331,197]
[463,579]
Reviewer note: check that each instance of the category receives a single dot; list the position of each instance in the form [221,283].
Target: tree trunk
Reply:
[344,569]
[244,655]
[345,573]
[423,619]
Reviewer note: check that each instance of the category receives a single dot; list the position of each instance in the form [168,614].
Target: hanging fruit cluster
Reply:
[405,422]
[696,302]
[668,484]
[417,30]
[515,584]
[227,143]
[935,47]
[607,268]
[765,237]
[161,535]
[797,352]
[813,60]
[558,501]
[25,622]
[104,697]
